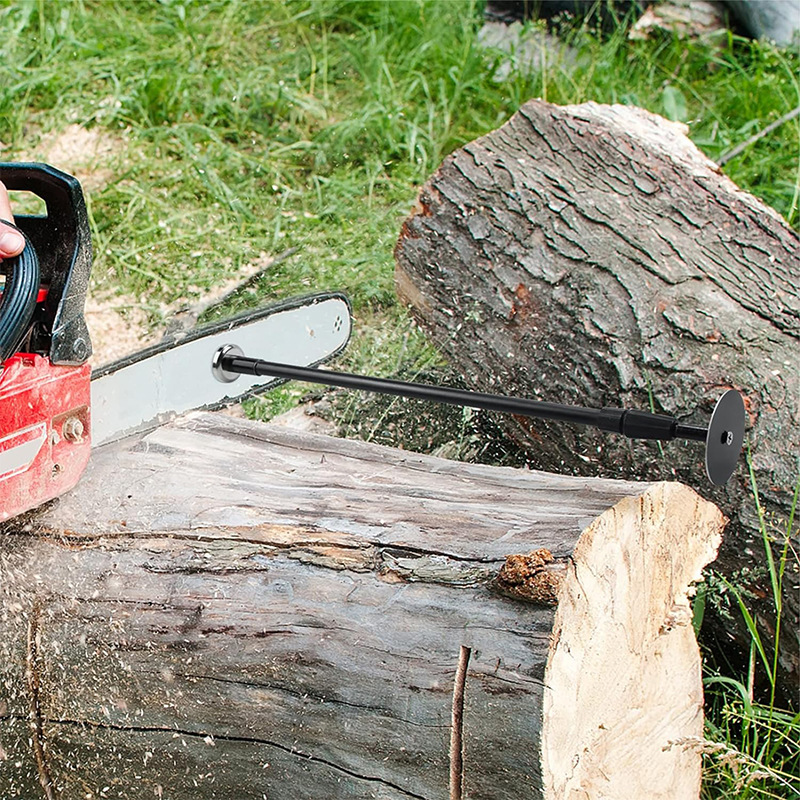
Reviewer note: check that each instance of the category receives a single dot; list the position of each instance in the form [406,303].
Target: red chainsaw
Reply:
[44,346]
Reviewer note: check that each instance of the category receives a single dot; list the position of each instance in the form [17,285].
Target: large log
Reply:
[592,255]
[224,609]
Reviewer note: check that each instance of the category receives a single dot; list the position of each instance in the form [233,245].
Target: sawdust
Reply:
[90,154]
[186,315]
[119,324]
[245,275]
[118,327]
[301,418]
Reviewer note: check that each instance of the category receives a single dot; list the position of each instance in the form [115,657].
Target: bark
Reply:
[223,609]
[592,255]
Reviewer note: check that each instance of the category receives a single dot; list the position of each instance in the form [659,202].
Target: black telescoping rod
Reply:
[229,363]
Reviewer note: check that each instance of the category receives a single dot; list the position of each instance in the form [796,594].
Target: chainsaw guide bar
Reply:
[53,408]
[151,387]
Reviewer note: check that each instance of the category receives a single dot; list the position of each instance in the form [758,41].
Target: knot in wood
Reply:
[534,577]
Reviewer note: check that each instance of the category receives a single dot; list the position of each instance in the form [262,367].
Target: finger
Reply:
[11,241]
[5,204]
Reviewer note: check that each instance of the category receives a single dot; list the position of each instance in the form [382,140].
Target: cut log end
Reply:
[623,677]
[592,255]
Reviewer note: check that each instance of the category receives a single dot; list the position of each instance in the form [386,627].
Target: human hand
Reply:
[11,240]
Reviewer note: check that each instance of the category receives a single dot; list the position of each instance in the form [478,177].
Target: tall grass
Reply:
[752,747]
[244,127]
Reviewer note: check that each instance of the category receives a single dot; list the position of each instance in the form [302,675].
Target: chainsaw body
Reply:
[44,345]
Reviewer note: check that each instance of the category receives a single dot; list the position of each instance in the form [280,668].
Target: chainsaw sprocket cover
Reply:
[44,431]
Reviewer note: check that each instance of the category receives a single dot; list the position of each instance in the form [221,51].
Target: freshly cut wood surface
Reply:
[226,609]
[624,684]
[592,255]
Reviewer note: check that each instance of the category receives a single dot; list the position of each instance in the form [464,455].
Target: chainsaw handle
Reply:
[62,242]
[18,300]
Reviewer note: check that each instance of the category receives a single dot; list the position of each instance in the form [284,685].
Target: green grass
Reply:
[243,127]
[305,128]
[752,747]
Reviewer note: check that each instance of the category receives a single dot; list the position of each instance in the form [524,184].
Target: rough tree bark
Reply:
[223,609]
[591,254]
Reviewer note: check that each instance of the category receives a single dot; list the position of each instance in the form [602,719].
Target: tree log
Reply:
[592,255]
[225,609]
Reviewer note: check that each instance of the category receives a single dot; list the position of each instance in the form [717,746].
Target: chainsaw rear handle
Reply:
[18,301]
[62,242]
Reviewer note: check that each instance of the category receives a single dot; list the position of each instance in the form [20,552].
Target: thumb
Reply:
[11,241]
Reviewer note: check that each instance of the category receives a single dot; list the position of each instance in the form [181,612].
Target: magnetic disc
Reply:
[725,437]
[222,375]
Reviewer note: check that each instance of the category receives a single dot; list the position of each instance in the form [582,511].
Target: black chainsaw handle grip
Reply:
[18,301]
[62,242]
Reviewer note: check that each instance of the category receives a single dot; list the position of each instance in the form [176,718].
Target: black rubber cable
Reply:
[18,302]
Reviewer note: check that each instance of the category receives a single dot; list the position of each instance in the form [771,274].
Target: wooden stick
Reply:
[740,148]
[457,726]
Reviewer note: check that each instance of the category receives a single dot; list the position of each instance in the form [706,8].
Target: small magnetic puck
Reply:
[222,375]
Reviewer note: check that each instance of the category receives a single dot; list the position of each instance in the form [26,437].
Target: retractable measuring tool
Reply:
[723,437]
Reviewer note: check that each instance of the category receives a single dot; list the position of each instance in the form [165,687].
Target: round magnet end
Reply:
[725,437]
[222,375]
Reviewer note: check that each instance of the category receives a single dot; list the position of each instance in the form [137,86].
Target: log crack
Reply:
[33,671]
[233,739]
[310,695]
